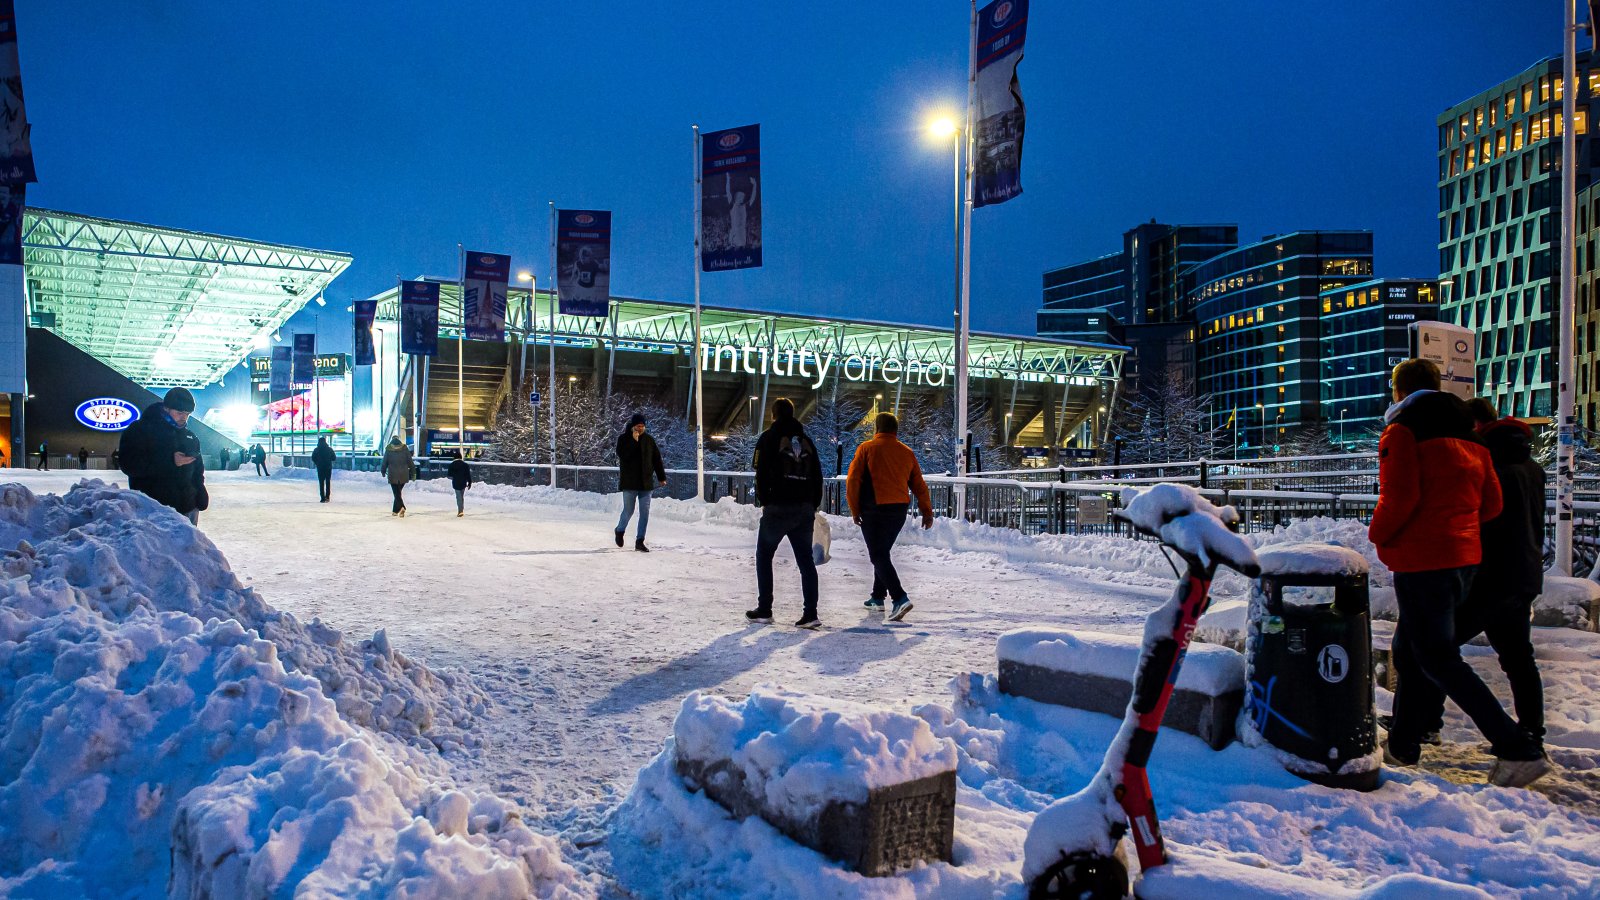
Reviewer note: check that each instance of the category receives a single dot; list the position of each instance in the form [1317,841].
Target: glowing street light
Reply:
[946,127]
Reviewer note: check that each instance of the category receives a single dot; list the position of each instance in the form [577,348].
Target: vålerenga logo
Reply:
[730,140]
[1002,12]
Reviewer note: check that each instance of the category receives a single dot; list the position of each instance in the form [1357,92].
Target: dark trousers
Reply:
[796,523]
[880,526]
[44,462]
[399,502]
[1428,660]
[1507,622]
[261,468]
[324,483]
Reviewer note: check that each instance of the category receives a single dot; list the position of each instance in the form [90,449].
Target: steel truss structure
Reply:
[164,307]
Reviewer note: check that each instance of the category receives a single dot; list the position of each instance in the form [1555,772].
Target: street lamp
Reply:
[947,127]
[752,404]
[531,326]
[1342,413]
[1263,414]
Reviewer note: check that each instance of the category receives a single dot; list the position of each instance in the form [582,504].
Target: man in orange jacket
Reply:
[1436,484]
[883,475]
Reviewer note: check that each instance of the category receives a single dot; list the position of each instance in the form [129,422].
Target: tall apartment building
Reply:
[1500,223]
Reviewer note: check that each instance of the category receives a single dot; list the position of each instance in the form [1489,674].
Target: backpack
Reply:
[797,458]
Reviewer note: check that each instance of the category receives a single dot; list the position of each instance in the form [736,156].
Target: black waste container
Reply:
[1308,662]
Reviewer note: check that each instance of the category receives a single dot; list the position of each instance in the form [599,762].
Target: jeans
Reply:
[1507,622]
[880,526]
[629,498]
[1428,660]
[399,502]
[261,469]
[461,500]
[795,522]
[324,484]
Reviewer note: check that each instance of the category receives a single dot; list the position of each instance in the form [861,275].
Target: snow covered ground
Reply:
[586,653]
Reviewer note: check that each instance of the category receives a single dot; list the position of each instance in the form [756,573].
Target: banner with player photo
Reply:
[997,158]
[583,262]
[419,318]
[279,373]
[305,360]
[483,295]
[730,199]
[366,311]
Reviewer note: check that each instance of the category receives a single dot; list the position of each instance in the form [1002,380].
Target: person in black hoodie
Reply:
[789,491]
[161,457]
[461,480]
[639,471]
[322,457]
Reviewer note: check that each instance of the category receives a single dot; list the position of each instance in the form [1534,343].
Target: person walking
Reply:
[322,457]
[639,471]
[83,457]
[397,462]
[225,457]
[789,492]
[1436,484]
[460,480]
[44,457]
[160,455]
[258,455]
[883,476]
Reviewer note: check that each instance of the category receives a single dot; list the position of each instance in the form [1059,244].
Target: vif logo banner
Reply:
[997,165]
[583,262]
[730,199]
[107,414]
[483,296]
[366,311]
[419,318]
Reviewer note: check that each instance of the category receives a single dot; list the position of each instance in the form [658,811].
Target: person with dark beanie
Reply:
[460,481]
[1436,484]
[789,492]
[322,457]
[161,457]
[639,471]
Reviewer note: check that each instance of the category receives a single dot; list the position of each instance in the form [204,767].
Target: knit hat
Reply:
[179,400]
[636,419]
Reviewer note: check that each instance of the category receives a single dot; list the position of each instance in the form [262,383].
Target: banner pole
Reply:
[461,351]
[963,325]
[1566,418]
[555,283]
[695,354]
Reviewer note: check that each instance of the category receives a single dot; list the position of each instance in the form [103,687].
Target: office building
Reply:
[1366,332]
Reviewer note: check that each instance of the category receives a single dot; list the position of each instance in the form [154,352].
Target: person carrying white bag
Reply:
[789,491]
[821,540]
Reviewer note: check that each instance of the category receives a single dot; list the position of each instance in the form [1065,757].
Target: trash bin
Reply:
[1308,660]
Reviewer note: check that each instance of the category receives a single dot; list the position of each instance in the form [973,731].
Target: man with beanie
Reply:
[639,471]
[161,457]
[1436,485]
[789,491]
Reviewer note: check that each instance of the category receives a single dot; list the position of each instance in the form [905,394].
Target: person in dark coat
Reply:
[258,455]
[44,456]
[789,491]
[201,502]
[639,471]
[322,458]
[83,457]
[397,463]
[1436,484]
[461,480]
[158,453]
[226,458]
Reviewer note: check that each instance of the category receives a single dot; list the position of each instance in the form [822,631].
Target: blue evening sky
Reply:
[393,130]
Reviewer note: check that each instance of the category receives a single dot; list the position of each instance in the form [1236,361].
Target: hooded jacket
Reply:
[788,471]
[1436,483]
[145,456]
[323,457]
[397,462]
[637,461]
[885,472]
[460,474]
[1513,542]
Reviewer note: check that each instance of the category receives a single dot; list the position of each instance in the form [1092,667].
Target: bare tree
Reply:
[1168,422]
[837,426]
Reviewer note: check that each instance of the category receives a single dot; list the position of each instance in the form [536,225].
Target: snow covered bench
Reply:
[874,790]
[1094,671]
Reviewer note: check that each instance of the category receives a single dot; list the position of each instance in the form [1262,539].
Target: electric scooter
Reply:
[1074,847]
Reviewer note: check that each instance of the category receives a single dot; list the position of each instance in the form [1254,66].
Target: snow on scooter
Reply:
[1072,845]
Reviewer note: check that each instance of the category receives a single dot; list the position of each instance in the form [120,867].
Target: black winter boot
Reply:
[619,539]
[639,546]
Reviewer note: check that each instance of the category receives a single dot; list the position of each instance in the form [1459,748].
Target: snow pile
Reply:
[1186,520]
[1566,602]
[1311,559]
[152,710]
[1207,669]
[801,752]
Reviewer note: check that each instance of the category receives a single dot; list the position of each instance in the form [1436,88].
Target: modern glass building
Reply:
[1499,225]
[1258,331]
[1587,310]
[1366,332]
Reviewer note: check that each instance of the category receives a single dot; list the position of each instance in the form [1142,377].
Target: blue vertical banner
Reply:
[998,119]
[419,318]
[583,262]
[483,295]
[305,360]
[278,375]
[366,311]
[730,199]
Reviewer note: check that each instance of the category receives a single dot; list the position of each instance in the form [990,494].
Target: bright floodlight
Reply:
[162,358]
[943,127]
[524,276]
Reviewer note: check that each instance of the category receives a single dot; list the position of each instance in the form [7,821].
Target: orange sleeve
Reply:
[1399,484]
[852,481]
[1493,499]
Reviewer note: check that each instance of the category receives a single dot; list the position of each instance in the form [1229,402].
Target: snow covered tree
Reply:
[1309,440]
[1170,422]
[837,426]
[928,428]
[587,428]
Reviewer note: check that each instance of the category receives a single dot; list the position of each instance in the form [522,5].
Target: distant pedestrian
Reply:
[322,457]
[882,478]
[639,471]
[258,455]
[44,456]
[461,480]
[789,491]
[83,457]
[397,467]
[116,460]
[160,455]
[1436,483]
[226,458]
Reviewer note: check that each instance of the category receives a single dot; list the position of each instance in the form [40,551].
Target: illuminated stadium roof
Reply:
[162,306]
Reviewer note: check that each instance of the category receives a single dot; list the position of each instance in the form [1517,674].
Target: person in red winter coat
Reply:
[1436,484]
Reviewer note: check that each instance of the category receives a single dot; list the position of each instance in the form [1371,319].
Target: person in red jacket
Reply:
[1436,484]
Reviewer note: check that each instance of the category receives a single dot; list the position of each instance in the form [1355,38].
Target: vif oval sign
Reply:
[107,414]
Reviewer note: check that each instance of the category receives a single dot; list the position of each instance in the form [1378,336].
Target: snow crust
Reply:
[1566,602]
[1208,669]
[162,729]
[1312,559]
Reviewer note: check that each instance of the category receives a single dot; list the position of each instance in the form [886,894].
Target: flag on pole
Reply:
[998,118]
[730,199]
[305,360]
[583,262]
[278,376]
[366,311]
[483,296]
[419,318]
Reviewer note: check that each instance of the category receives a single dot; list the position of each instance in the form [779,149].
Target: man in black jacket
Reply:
[639,471]
[160,455]
[789,489]
[322,457]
